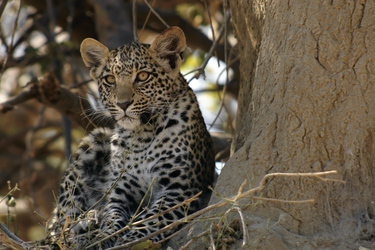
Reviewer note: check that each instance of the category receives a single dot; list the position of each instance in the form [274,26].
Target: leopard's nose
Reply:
[124,105]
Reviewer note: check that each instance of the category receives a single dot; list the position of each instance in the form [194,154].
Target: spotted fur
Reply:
[158,155]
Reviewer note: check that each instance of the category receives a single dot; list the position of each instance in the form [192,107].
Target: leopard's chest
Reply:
[138,155]
[139,161]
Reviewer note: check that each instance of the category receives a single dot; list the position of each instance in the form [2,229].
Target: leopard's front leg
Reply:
[122,203]
[153,219]
[79,202]
[145,220]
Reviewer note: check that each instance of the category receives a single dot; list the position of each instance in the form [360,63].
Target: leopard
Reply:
[155,166]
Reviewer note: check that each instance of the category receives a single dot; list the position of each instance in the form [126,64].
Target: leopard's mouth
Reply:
[145,117]
[125,117]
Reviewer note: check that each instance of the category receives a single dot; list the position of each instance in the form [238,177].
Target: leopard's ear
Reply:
[94,55]
[168,48]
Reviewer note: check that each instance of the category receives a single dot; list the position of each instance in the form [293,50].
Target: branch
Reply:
[10,48]
[13,238]
[25,95]
[50,93]
[3,3]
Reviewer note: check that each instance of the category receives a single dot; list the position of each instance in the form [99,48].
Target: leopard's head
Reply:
[136,80]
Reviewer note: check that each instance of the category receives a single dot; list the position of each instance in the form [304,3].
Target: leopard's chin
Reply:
[128,122]
[124,117]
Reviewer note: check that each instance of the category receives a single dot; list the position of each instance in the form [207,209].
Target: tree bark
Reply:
[248,22]
[312,108]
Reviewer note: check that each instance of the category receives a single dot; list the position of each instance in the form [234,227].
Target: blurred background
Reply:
[39,124]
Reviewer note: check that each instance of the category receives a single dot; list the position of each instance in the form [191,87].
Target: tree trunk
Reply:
[312,108]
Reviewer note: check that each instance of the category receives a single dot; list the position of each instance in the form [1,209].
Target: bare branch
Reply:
[3,3]
[49,92]
[315,174]
[135,21]
[26,94]
[184,247]
[10,47]
[12,236]
[210,53]
[157,14]
[284,201]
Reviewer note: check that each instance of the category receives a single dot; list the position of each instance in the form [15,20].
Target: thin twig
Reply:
[26,94]
[244,235]
[157,15]
[212,241]
[240,189]
[211,26]
[15,28]
[26,161]
[226,19]
[209,54]
[10,47]
[184,247]
[146,21]
[283,201]
[52,20]
[224,91]
[3,3]
[239,211]
[69,19]
[136,214]
[315,174]
[135,21]
[12,236]
[328,179]
[86,116]
[3,41]
[176,233]
[10,192]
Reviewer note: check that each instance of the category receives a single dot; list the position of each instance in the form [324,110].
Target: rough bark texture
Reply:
[248,20]
[312,108]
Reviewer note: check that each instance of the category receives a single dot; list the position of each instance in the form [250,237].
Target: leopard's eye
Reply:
[110,79]
[142,76]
